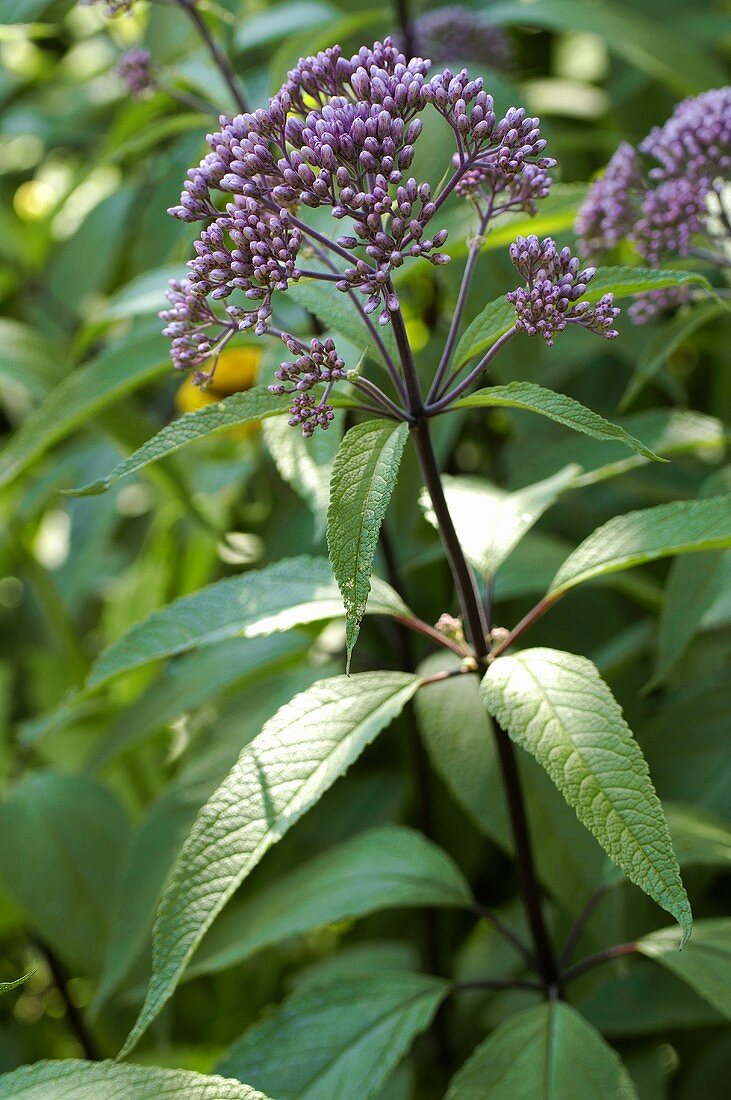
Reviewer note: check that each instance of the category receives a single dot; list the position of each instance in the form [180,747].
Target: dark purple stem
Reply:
[221,62]
[579,925]
[607,955]
[447,399]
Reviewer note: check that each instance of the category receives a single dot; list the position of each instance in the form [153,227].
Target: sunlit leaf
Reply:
[557,707]
[76,1080]
[363,479]
[299,753]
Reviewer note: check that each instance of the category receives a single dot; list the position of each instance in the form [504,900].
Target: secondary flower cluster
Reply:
[317,364]
[135,70]
[340,134]
[554,284]
[675,206]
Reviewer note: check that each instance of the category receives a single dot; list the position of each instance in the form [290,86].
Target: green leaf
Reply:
[241,408]
[306,464]
[556,406]
[338,313]
[144,294]
[28,360]
[118,370]
[545,1053]
[76,1080]
[557,707]
[633,998]
[700,838]
[364,475]
[6,987]
[705,964]
[481,333]
[61,839]
[491,522]
[386,868]
[363,1027]
[278,597]
[298,755]
[663,342]
[667,54]
[681,527]
[694,584]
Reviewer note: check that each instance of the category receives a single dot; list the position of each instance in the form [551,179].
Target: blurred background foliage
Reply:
[98,797]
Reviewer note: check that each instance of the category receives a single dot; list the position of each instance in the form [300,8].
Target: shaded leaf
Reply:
[545,1053]
[557,707]
[363,478]
[681,527]
[705,962]
[306,464]
[556,406]
[363,1027]
[339,314]
[299,753]
[390,867]
[61,839]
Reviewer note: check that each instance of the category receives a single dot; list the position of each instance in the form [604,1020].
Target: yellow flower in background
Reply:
[237,369]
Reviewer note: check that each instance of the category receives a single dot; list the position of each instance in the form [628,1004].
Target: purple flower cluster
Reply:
[340,135]
[135,71]
[676,206]
[554,284]
[317,364]
[187,319]
[455,33]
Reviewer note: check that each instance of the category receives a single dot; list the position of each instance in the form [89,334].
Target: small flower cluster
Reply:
[317,364]
[135,71]
[554,284]
[455,33]
[678,201]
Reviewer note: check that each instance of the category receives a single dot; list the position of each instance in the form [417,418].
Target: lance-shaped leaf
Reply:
[76,1080]
[481,333]
[84,392]
[489,521]
[279,597]
[240,408]
[677,528]
[545,1053]
[364,474]
[556,406]
[383,868]
[557,707]
[705,964]
[338,1038]
[298,755]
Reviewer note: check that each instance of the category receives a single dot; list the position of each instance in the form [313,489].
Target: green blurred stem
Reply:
[220,59]
[54,609]
[76,1022]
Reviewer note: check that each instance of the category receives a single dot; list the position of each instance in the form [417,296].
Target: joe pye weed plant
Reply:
[316,199]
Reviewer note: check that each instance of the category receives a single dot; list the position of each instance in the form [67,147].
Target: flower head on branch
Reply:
[317,364]
[554,284]
[340,135]
[668,197]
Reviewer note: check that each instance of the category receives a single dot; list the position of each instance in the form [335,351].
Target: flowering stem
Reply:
[505,931]
[459,308]
[452,395]
[377,394]
[219,57]
[408,366]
